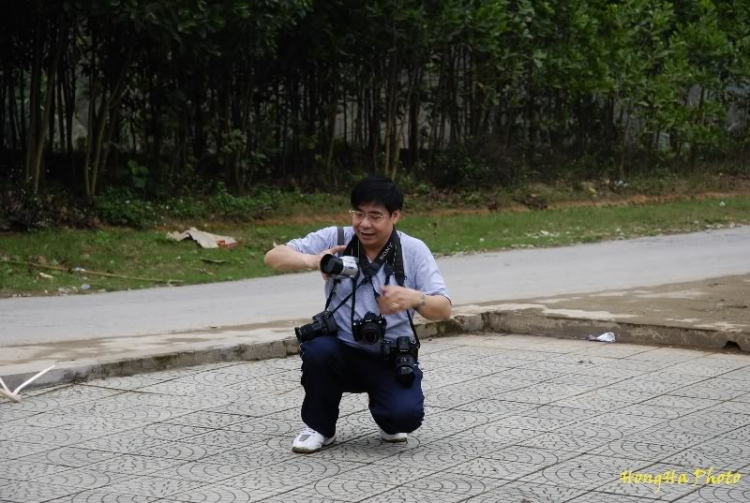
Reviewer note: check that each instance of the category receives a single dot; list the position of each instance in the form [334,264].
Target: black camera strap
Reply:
[401,280]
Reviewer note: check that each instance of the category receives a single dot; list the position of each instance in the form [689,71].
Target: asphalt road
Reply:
[471,279]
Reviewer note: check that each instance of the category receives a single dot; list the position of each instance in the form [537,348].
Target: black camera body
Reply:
[403,355]
[323,324]
[370,329]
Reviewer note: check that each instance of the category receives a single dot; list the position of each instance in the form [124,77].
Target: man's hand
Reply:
[394,299]
[314,260]
[284,258]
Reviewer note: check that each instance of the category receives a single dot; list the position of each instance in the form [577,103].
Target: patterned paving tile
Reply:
[458,395]
[33,492]
[433,456]
[495,408]
[141,398]
[591,402]
[597,497]
[449,422]
[568,442]
[344,489]
[205,419]
[8,413]
[653,411]
[134,465]
[171,431]
[722,457]
[714,494]
[28,470]
[227,438]
[130,442]
[83,478]
[731,407]
[527,492]
[257,408]
[10,449]
[664,489]
[297,473]
[681,402]
[70,456]
[709,391]
[219,494]
[186,450]
[123,383]
[413,495]
[263,426]
[586,472]
[364,449]
[46,436]
[103,496]
[456,484]
[74,394]
[251,457]
[626,423]
[638,449]
[488,468]
[202,472]
[155,486]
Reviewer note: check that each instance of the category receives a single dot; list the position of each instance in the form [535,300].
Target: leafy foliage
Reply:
[166,98]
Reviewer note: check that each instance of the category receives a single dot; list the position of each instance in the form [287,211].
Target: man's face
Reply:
[373,224]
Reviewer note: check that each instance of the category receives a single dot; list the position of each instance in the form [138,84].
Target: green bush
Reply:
[243,208]
[123,207]
[186,208]
[457,168]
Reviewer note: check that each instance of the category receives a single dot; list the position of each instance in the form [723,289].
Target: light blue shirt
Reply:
[421,272]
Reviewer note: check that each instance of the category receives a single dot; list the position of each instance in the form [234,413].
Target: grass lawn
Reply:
[149,254]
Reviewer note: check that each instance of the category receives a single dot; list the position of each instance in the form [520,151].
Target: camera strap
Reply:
[401,280]
[340,242]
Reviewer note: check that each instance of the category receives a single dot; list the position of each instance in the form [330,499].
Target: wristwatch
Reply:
[422,301]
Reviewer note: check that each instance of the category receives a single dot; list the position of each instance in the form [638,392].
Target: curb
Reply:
[511,322]
[625,332]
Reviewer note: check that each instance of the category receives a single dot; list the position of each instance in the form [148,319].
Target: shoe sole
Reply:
[395,441]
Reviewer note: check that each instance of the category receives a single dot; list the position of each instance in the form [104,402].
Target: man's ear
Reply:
[396,215]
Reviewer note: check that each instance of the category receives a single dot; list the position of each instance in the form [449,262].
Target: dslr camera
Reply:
[369,329]
[339,267]
[322,324]
[402,354]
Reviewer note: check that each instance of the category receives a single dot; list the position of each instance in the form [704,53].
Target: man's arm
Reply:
[397,298]
[436,307]
[284,258]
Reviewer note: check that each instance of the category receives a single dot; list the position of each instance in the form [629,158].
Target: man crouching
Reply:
[364,341]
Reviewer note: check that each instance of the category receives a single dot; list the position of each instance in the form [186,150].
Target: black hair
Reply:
[378,189]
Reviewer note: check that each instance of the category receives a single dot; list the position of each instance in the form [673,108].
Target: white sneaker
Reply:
[310,440]
[395,438]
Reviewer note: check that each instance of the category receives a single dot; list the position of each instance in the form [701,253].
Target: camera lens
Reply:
[371,333]
[331,264]
[304,333]
[405,370]
[339,268]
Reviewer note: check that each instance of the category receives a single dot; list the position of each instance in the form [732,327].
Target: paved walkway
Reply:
[510,419]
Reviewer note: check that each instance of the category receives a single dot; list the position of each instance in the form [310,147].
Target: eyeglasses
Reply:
[373,217]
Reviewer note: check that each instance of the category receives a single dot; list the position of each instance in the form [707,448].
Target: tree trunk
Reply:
[693,143]
[34,111]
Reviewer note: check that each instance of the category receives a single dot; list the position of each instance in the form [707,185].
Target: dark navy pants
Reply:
[330,368]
